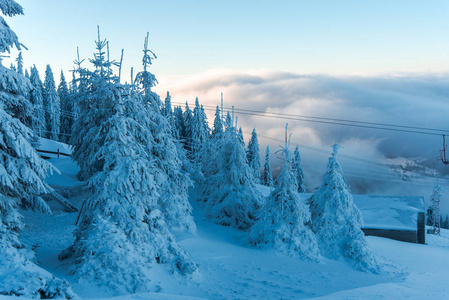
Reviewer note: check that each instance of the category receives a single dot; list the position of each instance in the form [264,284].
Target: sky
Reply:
[376,61]
[332,37]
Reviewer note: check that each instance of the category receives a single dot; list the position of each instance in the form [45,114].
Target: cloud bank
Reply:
[419,100]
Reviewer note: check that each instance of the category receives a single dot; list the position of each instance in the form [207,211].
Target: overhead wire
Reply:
[334,121]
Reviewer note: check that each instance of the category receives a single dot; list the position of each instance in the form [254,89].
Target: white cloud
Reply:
[420,100]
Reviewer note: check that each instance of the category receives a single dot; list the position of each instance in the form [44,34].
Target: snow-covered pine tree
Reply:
[253,155]
[19,61]
[178,126]
[267,177]
[97,93]
[27,75]
[283,221]
[168,112]
[53,108]
[209,159]
[124,226]
[187,134]
[298,171]
[435,199]
[240,135]
[199,131]
[122,231]
[205,124]
[173,181]
[228,121]
[337,221]
[218,123]
[230,194]
[67,110]
[36,97]
[21,173]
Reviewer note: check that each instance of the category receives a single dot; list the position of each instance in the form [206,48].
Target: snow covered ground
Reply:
[231,269]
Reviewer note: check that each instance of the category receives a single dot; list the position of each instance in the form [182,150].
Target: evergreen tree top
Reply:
[145,78]
[63,89]
[8,38]
[335,149]
[10,8]
[34,77]
[19,61]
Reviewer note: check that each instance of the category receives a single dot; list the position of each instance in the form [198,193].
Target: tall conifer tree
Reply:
[282,222]
[53,108]
[168,111]
[134,202]
[229,190]
[37,100]
[187,134]
[19,61]
[67,110]
[253,156]
[267,177]
[337,221]
[218,123]
[21,173]
[178,123]
[298,171]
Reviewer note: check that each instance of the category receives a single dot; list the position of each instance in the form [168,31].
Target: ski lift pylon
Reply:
[443,152]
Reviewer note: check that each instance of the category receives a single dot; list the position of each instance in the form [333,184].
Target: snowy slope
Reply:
[231,269]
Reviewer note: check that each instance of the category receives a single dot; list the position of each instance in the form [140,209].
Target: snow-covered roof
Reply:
[390,212]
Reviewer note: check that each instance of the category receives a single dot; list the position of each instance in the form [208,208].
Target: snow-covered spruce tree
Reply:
[36,97]
[218,123]
[253,155]
[199,131]
[283,221]
[298,171]
[66,108]
[122,232]
[27,75]
[435,199]
[242,140]
[124,228]
[97,93]
[52,105]
[187,134]
[178,126]
[267,177]
[173,181]
[209,159]
[337,221]
[230,195]
[21,173]
[228,121]
[19,61]
[168,111]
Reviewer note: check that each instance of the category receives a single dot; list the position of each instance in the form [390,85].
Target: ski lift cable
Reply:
[337,123]
[328,152]
[356,159]
[344,122]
